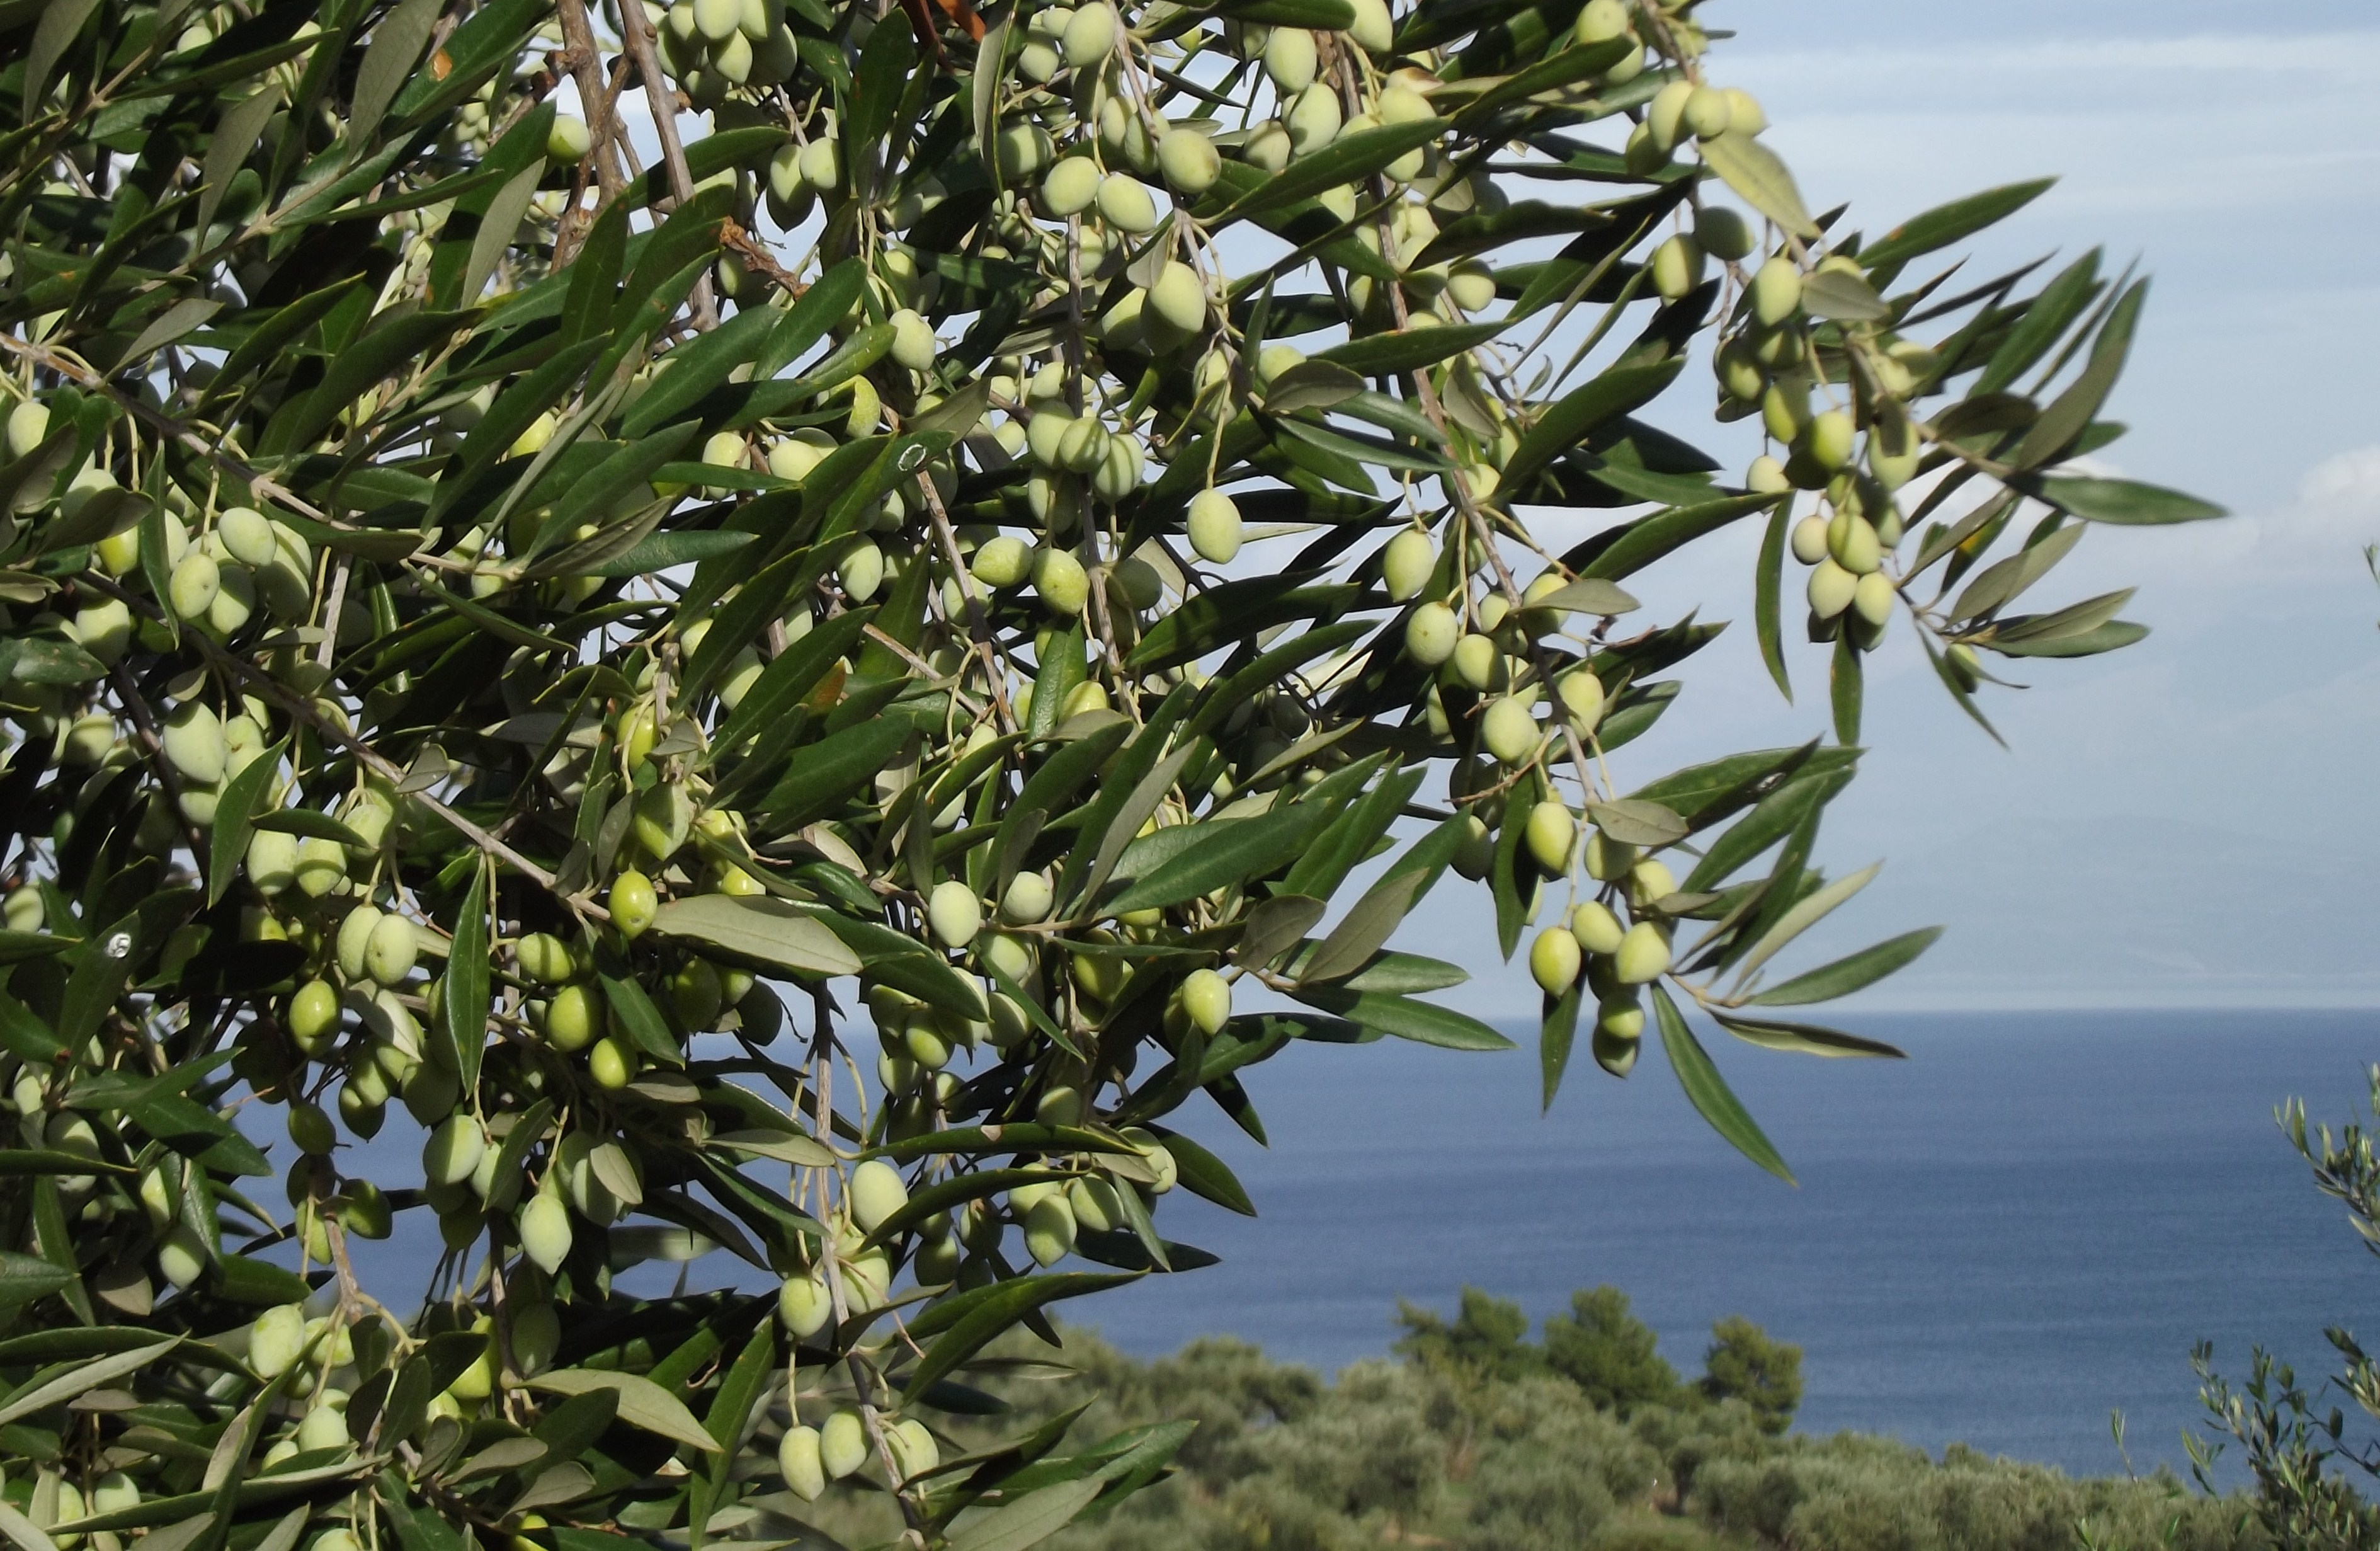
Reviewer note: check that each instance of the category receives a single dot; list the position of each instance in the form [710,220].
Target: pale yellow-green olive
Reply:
[800,1461]
[1268,145]
[454,1150]
[28,426]
[1677,266]
[1551,834]
[391,950]
[1596,929]
[1554,960]
[1810,539]
[1642,956]
[1776,291]
[545,1234]
[1090,34]
[1189,160]
[1665,115]
[876,1192]
[804,1304]
[1049,1230]
[1060,581]
[1478,662]
[1830,587]
[1581,697]
[1707,113]
[1508,731]
[1290,59]
[1872,598]
[1214,527]
[843,1444]
[1600,22]
[1407,563]
[1002,562]
[1070,187]
[1830,439]
[1314,119]
[1207,999]
[1431,634]
[1126,204]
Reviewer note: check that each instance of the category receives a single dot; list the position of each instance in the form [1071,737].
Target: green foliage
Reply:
[1744,1365]
[2305,1458]
[1488,1338]
[1420,1453]
[1608,1352]
[501,638]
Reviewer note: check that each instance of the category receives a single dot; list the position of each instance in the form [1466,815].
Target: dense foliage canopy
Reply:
[1004,521]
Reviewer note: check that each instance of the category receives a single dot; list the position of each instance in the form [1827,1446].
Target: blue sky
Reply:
[2188,821]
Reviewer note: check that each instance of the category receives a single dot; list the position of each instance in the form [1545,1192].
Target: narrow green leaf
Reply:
[1946,224]
[1763,182]
[1805,914]
[1850,973]
[1557,1031]
[2126,502]
[1709,1091]
[768,931]
[464,988]
[643,1403]
[1423,1023]
[1769,585]
[234,813]
[1844,685]
[1804,1038]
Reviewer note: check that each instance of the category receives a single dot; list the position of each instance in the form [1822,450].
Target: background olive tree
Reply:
[997,524]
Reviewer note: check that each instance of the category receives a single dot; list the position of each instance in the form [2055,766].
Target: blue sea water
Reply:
[1997,1242]
[2025,1225]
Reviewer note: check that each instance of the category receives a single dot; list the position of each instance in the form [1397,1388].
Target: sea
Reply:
[2004,1240]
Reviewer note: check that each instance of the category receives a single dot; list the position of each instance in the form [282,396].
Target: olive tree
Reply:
[1000,520]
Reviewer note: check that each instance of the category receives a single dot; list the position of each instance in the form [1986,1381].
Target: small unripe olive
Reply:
[314,1016]
[1723,233]
[1478,660]
[1070,185]
[193,739]
[843,1442]
[1776,291]
[1581,693]
[1431,634]
[822,163]
[611,1065]
[1766,477]
[389,956]
[1707,113]
[1508,731]
[28,426]
[1126,204]
[573,1016]
[1830,589]
[1620,1020]
[804,1305]
[1665,115]
[876,1192]
[1828,439]
[1406,564]
[1188,161]
[569,140]
[1090,34]
[1028,899]
[1002,562]
[1059,581]
[192,588]
[1315,118]
[1600,21]
[914,345]
[454,1150]
[1872,598]
[696,996]
[545,959]
[1810,539]
[632,903]
[1552,834]
[1650,881]
[1677,267]
[1642,955]
[1596,929]
[545,1233]
[1049,1230]
[311,1129]
[1207,999]
[1554,960]
[1179,298]
[861,571]
[181,1256]
[1607,859]
[1096,1204]
[1214,527]
[1893,452]
[801,1463]
[276,1339]
[1290,59]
